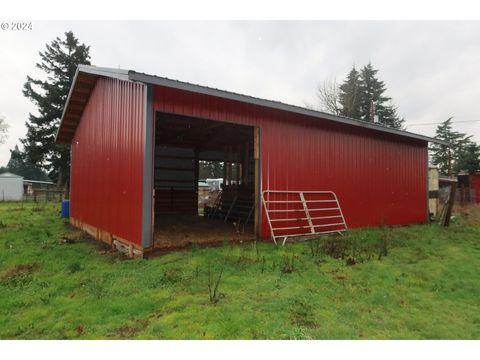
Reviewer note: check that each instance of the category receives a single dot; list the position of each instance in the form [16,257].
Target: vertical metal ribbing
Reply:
[268,217]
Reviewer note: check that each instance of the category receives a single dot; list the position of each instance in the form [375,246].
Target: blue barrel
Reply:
[65,209]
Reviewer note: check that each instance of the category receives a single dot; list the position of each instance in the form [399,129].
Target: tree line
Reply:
[40,158]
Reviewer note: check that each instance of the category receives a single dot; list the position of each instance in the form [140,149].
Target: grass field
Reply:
[417,282]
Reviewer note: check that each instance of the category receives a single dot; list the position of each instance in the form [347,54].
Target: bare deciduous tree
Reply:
[328,96]
[3,129]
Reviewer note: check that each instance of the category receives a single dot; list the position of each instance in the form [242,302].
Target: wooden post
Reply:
[449,161]
[238,165]
[196,170]
[225,166]
[451,200]
[246,167]
[229,166]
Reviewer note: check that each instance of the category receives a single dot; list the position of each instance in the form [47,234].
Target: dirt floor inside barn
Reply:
[177,232]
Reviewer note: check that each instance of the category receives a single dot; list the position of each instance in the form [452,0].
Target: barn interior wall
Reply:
[175,180]
[181,144]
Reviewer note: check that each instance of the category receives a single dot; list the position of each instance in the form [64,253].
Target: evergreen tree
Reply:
[20,165]
[449,160]
[357,93]
[59,62]
[468,159]
[349,95]
[373,90]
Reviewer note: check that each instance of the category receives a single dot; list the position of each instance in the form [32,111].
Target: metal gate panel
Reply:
[302,213]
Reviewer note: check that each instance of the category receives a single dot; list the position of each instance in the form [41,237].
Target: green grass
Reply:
[54,284]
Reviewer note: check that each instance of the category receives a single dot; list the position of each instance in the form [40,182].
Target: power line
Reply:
[438,123]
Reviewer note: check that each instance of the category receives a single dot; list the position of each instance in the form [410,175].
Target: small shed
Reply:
[11,187]
[468,188]
[149,134]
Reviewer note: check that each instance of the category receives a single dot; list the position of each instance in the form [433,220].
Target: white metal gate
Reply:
[302,213]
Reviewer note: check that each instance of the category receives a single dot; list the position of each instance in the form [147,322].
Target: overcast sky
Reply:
[431,69]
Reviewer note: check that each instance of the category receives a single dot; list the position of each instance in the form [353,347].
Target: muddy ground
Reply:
[184,231]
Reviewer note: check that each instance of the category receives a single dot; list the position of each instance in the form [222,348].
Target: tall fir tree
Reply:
[373,90]
[349,95]
[59,62]
[362,88]
[449,159]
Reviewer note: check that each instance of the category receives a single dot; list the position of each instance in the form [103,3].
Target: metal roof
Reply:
[10,175]
[93,72]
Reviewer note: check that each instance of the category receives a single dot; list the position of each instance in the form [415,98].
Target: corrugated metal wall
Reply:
[107,160]
[175,190]
[379,178]
[475,187]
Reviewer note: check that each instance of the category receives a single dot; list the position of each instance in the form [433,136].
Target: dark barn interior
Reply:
[181,145]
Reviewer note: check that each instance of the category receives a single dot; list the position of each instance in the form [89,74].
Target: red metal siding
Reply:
[107,160]
[380,179]
[475,186]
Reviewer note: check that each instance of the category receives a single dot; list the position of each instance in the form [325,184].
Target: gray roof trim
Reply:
[156,80]
[68,100]
[94,70]
[130,75]
[120,74]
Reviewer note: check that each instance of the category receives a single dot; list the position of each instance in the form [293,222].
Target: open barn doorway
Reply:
[206,182]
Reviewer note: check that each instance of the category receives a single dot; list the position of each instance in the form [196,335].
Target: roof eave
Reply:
[156,80]
[130,75]
[91,70]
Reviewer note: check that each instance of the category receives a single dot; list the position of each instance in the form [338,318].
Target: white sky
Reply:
[430,68]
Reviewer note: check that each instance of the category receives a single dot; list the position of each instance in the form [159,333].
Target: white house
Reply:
[11,187]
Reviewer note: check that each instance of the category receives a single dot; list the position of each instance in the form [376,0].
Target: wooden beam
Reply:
[196,167]
[75,107]
[82,90]
[451,201]
[78,102]
[69,126]
[238,164]
[79,98]
[225,166]
[246,163]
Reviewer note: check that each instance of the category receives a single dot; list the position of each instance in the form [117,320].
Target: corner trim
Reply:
[147,200]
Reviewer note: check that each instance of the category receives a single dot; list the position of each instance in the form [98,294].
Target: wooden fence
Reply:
[45,195]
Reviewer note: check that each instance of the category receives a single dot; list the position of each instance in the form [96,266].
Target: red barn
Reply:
[137,141]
